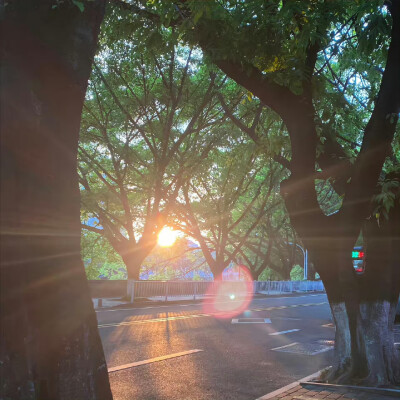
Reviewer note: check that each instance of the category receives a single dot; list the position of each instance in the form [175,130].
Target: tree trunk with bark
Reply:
[133,261]
[50,347]
[133,254]
[310,272]
[379,292]
[363,309]
[217,272]
[255,274]
[133,265]
[363,306]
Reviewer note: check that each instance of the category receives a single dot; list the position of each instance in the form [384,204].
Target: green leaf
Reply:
[79,4]
[197,16]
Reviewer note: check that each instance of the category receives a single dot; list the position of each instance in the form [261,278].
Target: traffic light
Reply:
[358,260]
[357,255]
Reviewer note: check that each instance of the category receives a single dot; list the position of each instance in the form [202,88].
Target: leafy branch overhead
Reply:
[149,123]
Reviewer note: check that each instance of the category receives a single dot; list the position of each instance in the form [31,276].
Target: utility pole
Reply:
[305,259]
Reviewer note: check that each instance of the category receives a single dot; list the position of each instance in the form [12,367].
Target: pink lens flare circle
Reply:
[229,298]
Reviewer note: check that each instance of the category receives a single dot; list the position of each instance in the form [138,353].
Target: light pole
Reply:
[305,255]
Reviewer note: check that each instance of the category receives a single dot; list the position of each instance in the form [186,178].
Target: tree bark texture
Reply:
[133,265]
[133,260]
[50,347]
[134,253]
[255,274]
[363,306]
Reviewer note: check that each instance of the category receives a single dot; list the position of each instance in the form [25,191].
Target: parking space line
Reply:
[262,321]
[153,360]
[289,306]
[323,350]
[286,345]
[283,332]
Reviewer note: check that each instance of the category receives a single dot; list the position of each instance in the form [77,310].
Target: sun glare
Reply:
[167,237]
[227,299]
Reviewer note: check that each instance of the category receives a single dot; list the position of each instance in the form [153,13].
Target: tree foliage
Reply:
[225,203]
[149,122]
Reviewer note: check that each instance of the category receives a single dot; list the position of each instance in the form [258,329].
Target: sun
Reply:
[167,237]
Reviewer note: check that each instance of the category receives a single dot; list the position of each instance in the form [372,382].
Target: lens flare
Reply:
[230,298]
[167,237]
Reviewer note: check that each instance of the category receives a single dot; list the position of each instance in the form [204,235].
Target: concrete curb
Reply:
[363,388]
[307,381]
[290,386]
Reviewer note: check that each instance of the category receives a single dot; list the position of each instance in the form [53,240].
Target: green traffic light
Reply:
[359,255]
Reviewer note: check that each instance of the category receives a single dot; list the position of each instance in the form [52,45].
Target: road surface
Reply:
[211,352]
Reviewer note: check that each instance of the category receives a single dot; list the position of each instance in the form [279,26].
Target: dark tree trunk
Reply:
[133,255]
[342,291]
[363,306]
[50,347]
[285,272]
[364,349]
[380,287]
[217,272]
[133,263]
[255,274]
[311,272]
[133,266]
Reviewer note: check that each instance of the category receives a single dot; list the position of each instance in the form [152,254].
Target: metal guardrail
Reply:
[165,290]
[270,287]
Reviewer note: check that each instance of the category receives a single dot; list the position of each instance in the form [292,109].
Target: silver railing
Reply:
[170,290]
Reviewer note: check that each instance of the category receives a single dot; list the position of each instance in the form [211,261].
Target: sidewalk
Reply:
[108,303]
[316,391]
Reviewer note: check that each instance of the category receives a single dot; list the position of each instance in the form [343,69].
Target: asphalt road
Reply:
[242,356]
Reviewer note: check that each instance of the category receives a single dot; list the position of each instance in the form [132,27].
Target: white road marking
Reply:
[146,321]
[165,319]
[330,325]
[283,332]
[152,360]
[196,304]
[262,321]
[287,345]
[323,350]
[289,306]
